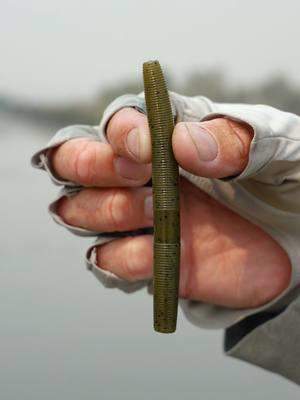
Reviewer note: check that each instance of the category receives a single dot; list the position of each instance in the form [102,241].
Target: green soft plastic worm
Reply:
[165,184]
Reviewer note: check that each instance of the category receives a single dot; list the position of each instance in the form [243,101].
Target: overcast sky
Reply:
[68,49]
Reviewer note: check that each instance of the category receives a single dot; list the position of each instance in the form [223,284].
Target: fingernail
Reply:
[129,169]
[148,207]
[133,142]
[205,143]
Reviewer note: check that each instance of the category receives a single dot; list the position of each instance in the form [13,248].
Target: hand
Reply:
[225,259]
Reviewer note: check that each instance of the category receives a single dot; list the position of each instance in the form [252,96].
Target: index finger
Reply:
[92,163]
[129,135]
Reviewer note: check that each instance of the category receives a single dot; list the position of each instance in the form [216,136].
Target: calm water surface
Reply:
[63,336]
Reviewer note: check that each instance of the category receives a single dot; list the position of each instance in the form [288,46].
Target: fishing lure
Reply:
[165,184]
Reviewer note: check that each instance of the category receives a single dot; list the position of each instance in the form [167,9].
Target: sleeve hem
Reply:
[270,341]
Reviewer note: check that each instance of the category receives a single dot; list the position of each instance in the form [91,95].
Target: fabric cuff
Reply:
[68,191]
[276,135]
[40,159]
[264,340]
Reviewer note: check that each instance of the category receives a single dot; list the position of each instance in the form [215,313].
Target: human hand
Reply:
[225,259]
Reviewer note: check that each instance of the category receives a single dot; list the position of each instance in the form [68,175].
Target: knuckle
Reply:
[119,209]
[129,264]
[85,164]
[136,258]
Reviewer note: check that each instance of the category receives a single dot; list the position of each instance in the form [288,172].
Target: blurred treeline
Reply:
[277,91]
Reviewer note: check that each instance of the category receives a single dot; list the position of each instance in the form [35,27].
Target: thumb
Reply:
[214,149]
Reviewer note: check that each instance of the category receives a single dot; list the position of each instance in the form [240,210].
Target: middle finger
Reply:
[108,210]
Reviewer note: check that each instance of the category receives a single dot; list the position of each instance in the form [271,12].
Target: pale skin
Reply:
[225,259]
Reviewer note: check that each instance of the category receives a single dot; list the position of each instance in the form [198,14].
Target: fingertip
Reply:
[128,133]
[138,144]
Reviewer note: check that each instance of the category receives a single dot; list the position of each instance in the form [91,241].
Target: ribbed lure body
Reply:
[165,184]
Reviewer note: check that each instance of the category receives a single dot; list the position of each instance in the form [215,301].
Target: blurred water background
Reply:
[62,335]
